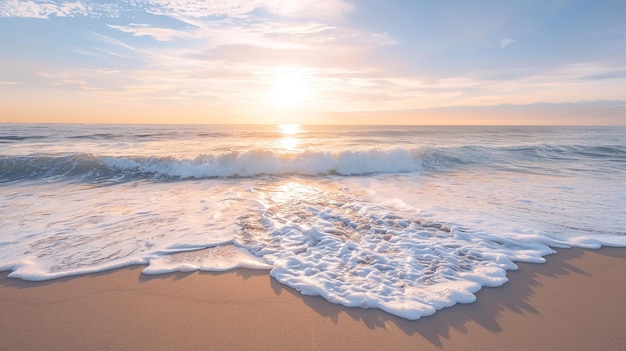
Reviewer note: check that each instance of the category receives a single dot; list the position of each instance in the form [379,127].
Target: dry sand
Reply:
[577,301]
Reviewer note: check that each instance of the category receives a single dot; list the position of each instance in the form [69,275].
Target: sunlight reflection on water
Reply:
[289,142]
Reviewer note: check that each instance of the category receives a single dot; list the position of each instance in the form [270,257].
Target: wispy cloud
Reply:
[103,80]
[160,34]
[328,9]
[44,9]
[506,42]
[619,74]
[198,8]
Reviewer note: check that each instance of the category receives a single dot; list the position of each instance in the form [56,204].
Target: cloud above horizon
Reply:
[225,55]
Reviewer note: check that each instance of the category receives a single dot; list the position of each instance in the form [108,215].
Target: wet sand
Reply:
[576,301]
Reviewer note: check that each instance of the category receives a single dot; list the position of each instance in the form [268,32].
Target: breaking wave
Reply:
[252,163]
[90,167]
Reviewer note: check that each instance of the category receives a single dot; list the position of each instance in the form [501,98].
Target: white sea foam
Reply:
[376,256]
[51,231]
[218,258]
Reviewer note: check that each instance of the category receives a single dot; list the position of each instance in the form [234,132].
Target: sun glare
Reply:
[289,129]
[290,90]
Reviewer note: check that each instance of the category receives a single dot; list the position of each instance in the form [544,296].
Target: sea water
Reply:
[406,219]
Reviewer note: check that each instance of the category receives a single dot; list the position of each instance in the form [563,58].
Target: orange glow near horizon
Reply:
[289,129]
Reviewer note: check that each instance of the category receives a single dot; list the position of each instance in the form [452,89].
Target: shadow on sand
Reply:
[513,296]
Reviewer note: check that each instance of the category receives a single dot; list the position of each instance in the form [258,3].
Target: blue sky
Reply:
[268,60]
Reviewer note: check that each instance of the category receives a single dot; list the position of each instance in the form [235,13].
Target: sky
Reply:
[313,61]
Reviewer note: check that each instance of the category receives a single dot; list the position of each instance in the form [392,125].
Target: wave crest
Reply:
[231,164]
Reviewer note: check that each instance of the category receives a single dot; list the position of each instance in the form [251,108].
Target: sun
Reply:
[290,89]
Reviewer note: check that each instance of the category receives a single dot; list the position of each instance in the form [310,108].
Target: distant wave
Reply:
[542,158]
[105,136]
[12,138]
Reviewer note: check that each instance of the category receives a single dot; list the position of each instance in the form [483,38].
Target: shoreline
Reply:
[576,300]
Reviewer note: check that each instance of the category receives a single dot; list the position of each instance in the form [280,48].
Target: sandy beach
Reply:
[576,301]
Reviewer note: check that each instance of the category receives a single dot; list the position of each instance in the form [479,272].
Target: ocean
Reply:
[406,219]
